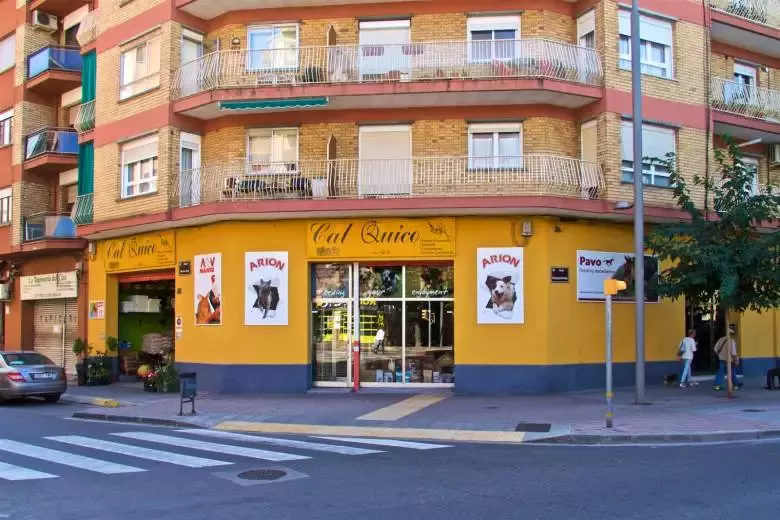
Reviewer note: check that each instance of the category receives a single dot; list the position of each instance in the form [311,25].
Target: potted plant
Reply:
[167,379]
[112,347]
[99,372]
[80,349]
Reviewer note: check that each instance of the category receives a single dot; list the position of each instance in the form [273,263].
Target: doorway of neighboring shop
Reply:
[405,323]
[709,324]
[146,320]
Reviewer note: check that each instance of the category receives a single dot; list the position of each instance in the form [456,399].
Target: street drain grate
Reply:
[533,427]
[753,410]
[262,474]
[491,408]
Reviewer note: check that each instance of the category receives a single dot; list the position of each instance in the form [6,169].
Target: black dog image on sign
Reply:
[267,297]
[502,294]
[389,282]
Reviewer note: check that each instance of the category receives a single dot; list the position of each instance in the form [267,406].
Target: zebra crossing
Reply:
[204,449]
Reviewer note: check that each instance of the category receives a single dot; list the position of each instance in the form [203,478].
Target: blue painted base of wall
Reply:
[754,367]
[535,379]
[250,379]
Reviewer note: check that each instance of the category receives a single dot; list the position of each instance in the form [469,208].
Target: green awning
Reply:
[270,104]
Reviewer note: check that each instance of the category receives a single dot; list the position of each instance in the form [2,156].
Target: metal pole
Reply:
[639,204]
[610,405]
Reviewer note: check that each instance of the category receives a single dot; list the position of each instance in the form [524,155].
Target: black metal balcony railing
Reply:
[51,140]
[53,58]
[42,226]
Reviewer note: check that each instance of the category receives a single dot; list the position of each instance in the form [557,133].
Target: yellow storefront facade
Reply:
[487,305]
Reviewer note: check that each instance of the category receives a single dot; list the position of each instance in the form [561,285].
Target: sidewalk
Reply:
[675,415]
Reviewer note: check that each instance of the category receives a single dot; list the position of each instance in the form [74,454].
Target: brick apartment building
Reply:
[382,157]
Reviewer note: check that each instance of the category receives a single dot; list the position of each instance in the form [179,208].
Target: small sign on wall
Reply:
[97,310]
[559,275]
[185,267]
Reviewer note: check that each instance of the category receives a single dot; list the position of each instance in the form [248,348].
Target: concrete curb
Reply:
[134,420]
[677,438]
[103,402]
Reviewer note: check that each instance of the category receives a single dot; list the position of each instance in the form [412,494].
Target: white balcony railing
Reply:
[85,117]
[766,12]
[745,100]
[88,29]
[531,58]
[531,174]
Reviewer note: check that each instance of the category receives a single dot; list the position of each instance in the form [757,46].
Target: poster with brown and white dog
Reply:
[500,286]
[208,289]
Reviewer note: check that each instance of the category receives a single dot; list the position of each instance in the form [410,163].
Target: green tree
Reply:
[727,255]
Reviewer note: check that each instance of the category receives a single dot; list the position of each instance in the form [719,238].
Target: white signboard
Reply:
[500,285]
[266,275]
[208,289]
[594,267]
[52,286]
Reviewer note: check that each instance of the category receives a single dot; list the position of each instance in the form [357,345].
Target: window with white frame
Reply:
[139,167]
[8,52]
[140,68]
[6,127]
[272,150]
[658,142]
[273,47]
[493,38]
[751,165]
[586,30]
[656,44]
[5,206]
[495,145]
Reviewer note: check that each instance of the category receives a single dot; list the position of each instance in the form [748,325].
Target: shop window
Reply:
[273,47]
[496,146]
[493,38]
[5,206]
[6,127]
[139,167]
[8,52]
[658,142]
[140,68]
[273,150]
[656,45]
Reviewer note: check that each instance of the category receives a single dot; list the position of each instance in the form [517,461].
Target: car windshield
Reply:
[25,359]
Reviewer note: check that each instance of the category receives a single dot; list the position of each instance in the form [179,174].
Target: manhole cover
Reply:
[533,427]
[491,408]
[753,410]
[262,474]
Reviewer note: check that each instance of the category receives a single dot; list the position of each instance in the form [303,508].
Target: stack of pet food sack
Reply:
[157,344]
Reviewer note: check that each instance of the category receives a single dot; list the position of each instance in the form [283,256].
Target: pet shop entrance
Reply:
[405,323]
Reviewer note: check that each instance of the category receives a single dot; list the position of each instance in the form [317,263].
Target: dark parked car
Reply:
[29,374]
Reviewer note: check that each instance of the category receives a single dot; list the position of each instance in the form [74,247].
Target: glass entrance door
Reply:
[331,324]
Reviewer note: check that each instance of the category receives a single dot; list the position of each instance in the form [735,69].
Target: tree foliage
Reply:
[728,254]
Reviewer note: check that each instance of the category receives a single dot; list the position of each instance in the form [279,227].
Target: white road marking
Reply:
[288,443]
[141,453]
[66,459]
[11,472]
[386,442]
[213,447]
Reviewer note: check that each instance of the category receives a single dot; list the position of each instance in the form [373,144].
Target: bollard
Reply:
[189,390]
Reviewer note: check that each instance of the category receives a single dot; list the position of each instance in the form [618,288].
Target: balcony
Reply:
[88,29]
[748,24]
[58,8]
[47,226]
[51,150]
[534,175]
[82,212]
[533,71]
[54,70]
[745,111]
[85,117]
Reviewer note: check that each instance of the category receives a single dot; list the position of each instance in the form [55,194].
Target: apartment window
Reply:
[7,52]
[493,38]
[140,68]
[6,127]
[273,47]
[586,30]
[139,167]
[5,206]
[751,165]
[657,142]
[69,195]
[272,150]
[495,145]
[656,45]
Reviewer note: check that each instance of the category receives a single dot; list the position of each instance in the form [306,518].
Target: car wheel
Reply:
[53,398]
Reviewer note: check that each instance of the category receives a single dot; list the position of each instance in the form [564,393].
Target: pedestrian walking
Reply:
[721,349]
[685,352]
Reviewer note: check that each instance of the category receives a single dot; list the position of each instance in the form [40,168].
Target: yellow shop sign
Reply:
[152,251]
[381,238]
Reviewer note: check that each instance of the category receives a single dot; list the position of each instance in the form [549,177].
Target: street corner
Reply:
[100,402]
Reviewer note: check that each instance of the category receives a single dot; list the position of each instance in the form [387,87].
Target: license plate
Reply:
[43,375]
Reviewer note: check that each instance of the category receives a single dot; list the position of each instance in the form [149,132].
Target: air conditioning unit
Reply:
[44,21]
[774,154]
[5,291]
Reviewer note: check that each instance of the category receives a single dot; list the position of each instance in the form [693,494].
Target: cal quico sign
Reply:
[49,286]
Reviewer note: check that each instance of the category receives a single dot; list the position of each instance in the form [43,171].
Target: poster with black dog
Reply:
[266,275]
[500,286]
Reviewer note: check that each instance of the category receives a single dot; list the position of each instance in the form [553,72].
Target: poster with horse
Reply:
[593,267]
[266,277]
[208,289]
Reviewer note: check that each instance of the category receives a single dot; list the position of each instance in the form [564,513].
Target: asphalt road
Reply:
[462,481]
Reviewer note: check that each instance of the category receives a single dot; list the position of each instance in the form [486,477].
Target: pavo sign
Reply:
[593,267]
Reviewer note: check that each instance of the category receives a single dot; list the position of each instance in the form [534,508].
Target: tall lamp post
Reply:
[639,204]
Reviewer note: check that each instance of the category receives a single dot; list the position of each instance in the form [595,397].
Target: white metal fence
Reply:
[531,58]
[766,12]
[85,117]
[531,174]
[745,100]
